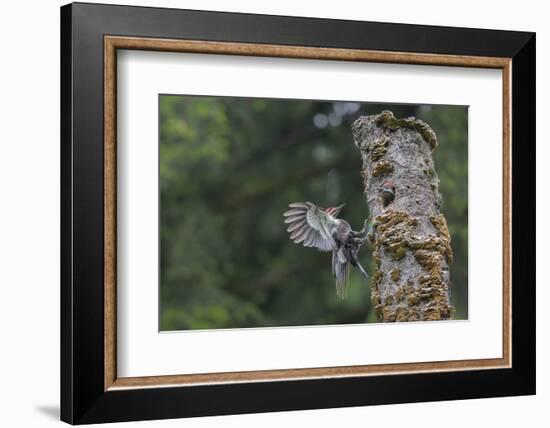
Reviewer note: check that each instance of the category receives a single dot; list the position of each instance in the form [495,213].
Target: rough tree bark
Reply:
[412,245]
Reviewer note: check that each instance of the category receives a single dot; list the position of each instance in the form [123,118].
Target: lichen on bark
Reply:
[412,244]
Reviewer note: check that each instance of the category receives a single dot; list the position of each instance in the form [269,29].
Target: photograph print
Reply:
[277,213]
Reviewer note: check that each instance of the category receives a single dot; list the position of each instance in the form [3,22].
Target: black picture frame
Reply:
[83,398]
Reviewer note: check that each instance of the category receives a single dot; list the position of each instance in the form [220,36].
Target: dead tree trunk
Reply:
[412,245]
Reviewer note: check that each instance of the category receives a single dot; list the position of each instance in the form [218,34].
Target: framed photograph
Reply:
[266,213]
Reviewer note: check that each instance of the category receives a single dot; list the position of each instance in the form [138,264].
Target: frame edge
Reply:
[66,306]
[113,43]
[81,401]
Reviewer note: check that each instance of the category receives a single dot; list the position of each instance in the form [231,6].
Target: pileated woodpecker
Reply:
[321,228]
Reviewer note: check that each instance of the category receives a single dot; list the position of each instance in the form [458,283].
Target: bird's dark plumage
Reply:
[321,228]
[387,193]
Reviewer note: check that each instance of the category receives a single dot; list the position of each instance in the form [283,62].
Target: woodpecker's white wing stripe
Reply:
[304,236]
[310,225]
[298,205]
[295,211]
[320,221]
[296,225]
[294,219]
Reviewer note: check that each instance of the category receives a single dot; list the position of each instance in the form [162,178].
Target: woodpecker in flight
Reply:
[320,228]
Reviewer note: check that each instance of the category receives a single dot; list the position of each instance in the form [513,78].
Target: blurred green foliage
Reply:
[228,169]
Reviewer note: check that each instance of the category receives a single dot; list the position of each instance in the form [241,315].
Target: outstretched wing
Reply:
[310,226]
[340,270]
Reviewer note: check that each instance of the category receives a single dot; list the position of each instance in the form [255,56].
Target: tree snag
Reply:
[412,245]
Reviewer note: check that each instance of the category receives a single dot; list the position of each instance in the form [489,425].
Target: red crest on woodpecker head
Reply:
[389,184]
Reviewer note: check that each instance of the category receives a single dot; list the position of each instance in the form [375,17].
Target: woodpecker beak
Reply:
[336,210]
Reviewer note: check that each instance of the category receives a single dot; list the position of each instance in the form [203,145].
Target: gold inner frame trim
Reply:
[113,43]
